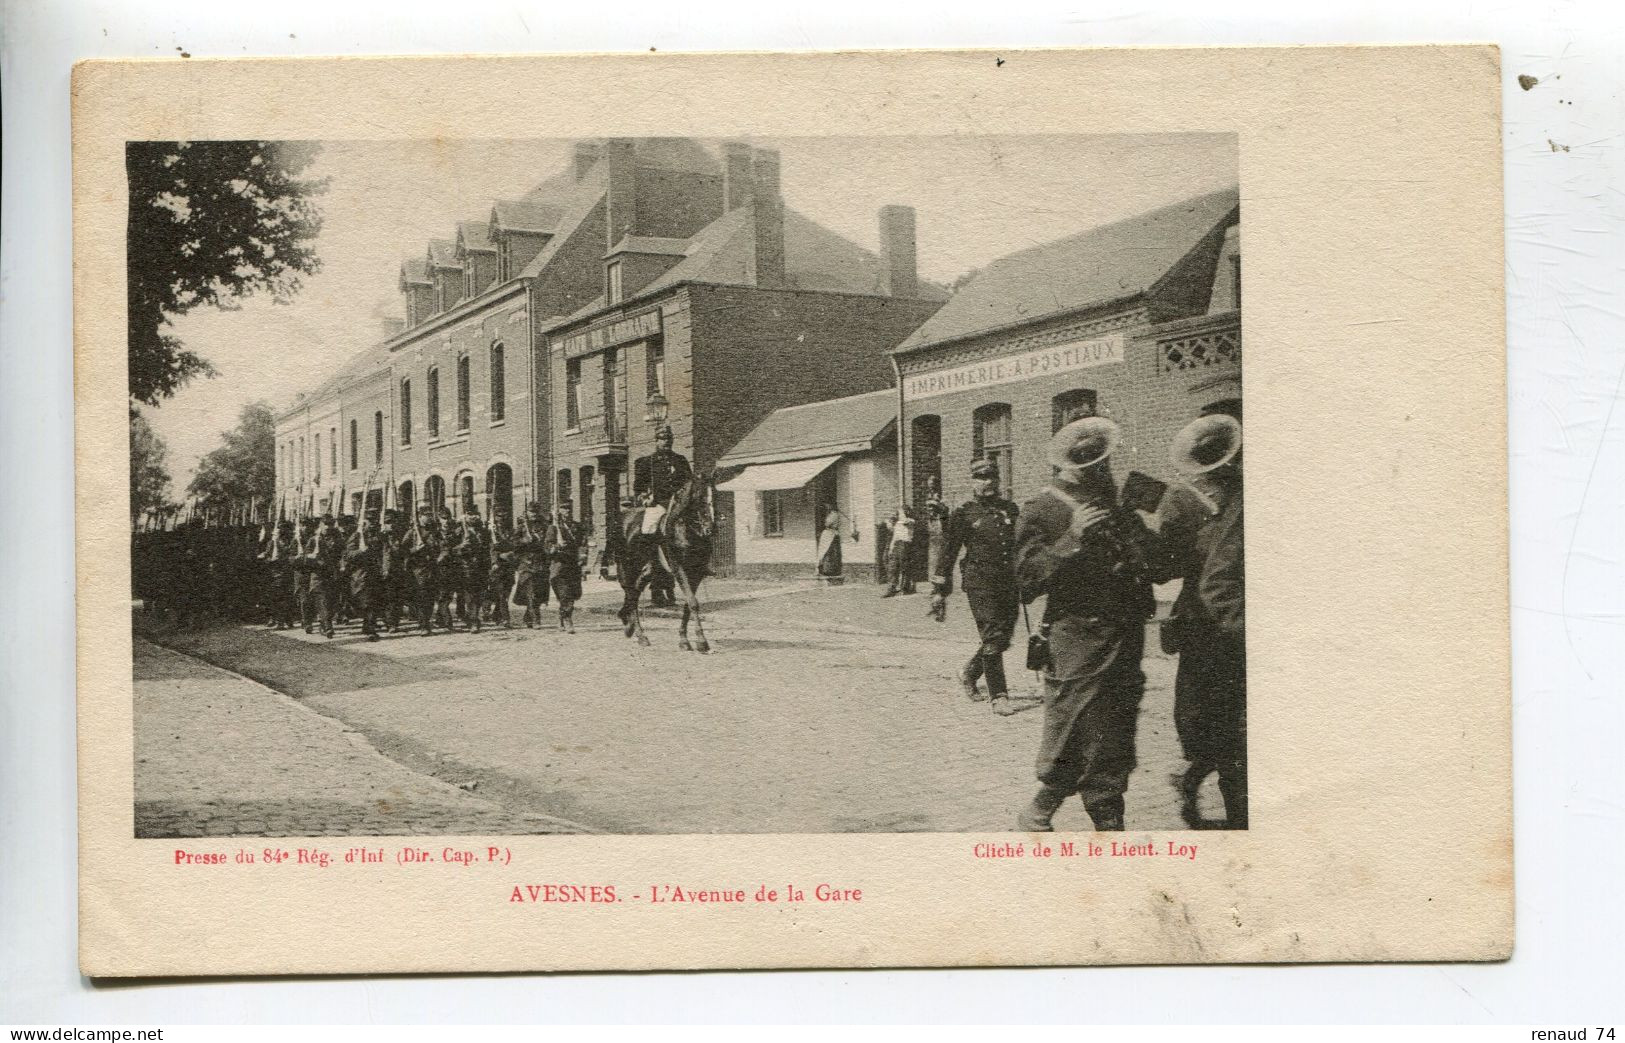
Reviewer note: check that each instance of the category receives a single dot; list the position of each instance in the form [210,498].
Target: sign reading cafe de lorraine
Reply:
[1061,358]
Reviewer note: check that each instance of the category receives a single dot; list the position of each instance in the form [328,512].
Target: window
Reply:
[301,460]
[468,276]
[462,393]
[1069,406]
[465,495]
[561,488]
[433,405]
[378,437]
[499,384]
[612,290]
[434,492]
[770,511]
[355,441]
[318,443]
[406,412]
[990,430]
[333,450]
[655,369]
[572,394]
[925,450]
[504,260]
[440,281]
[586,495]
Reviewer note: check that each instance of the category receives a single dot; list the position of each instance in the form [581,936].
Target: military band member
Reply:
[1087,554]
[530,567]
[363,561]
[1200,540]
[984,530]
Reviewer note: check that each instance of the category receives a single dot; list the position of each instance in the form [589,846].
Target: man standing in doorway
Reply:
[984,530]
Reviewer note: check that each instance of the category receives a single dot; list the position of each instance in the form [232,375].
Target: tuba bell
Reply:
[1205,444]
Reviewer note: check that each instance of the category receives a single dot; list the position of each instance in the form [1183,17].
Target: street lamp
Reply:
[659,407]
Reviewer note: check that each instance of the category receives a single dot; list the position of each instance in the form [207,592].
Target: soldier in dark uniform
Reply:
[530,564]
[278,558]
[325,555]
[363,562]
[984,529]
[423,562]
[499,580]
[448,569]
[302,567]
[1087,554]
[1200,542]
[566,555]
[394,580]
[655,480]
[474,568]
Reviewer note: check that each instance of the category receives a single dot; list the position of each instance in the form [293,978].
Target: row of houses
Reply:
[664,281]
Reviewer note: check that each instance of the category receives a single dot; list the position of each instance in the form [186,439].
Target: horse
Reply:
[681,548]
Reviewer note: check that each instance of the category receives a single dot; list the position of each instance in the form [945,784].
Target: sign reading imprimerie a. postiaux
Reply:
[1062,358]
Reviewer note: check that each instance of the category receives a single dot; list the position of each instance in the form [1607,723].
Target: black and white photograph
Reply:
[687,485]
[478,438]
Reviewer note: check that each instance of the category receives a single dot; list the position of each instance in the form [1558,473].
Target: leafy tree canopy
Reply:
[211,222]
[149,469]
[243,468]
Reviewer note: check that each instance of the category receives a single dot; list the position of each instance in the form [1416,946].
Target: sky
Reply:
[977,198]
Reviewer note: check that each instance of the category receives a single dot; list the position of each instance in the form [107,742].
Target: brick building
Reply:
[543,336]
[712,327]
[1138,320]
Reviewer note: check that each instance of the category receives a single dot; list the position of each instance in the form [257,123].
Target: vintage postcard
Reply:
[725,511]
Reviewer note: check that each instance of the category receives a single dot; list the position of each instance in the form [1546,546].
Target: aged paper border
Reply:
[1378,626]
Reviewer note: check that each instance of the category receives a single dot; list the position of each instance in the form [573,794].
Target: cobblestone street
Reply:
[819,709]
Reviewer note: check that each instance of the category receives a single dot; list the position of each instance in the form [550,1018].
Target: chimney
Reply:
[897,251]
[621,207]
[768,216]
[586,156]
[736,176]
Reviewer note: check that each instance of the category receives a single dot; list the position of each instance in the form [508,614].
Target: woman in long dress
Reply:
[829,543]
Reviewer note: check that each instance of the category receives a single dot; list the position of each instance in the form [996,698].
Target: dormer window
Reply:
[612,282]
[468,276]
[504,260]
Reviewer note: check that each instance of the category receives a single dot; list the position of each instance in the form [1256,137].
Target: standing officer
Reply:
[985,530]
[1086,552]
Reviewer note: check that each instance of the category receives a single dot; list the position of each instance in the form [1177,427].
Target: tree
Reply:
[149,472]
[243,469]
[211,222]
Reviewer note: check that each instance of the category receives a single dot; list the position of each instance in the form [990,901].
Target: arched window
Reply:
[406,412]
[499,494]
[499,386]
[462,393]
[406,499]
[433,404]
[434,492]
[925,457]
[465,495]
[355,439]
[378,437]
[1069,406]
[561,488]
[991,440]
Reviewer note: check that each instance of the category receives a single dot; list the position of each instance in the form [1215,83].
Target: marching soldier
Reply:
[363,561]
[447,569]
[278,558]
[325,555]
[1200,540]
[984,529]
[531,570]
[1087,553]
[423,562]
[394,579]
[474,568]
[302,568]
[566,556]
[499,581]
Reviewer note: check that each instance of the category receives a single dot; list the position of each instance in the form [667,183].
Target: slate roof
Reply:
[443,253]
[415,270]
[475,236]
[829,428]
[1112,262]
[524,216]
[650,244]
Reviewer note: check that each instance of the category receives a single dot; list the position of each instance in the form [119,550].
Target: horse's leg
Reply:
[691,604]
[682,630]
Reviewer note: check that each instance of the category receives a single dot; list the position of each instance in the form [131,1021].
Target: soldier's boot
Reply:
[968,677]
[1107,816]
[1233,785]
[1035,817]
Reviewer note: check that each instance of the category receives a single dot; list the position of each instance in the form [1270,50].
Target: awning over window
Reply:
[790,475]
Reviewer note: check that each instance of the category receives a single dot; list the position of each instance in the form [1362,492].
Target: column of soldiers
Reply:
[385,571]
[1085,547]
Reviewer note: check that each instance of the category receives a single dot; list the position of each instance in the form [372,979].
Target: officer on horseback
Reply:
[657,477]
